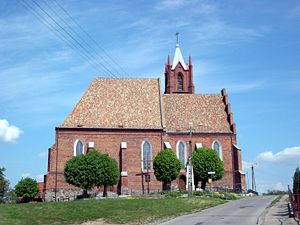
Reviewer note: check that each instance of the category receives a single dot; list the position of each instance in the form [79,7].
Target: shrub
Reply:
[27,189]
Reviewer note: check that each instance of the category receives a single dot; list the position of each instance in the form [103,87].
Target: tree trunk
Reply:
[196,183]
[105,190]
[85,195]
[203,184]
[166,186]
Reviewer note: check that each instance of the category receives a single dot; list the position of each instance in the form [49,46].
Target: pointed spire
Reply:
[178,56]
[168,59]
[190,60]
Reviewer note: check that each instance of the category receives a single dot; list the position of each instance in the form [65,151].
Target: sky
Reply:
[50,51]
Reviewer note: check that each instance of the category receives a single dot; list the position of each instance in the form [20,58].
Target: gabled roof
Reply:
[206,111]
[178,58]
[130,103]
[118,103]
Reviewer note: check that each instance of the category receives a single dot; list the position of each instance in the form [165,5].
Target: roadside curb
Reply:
[261,218]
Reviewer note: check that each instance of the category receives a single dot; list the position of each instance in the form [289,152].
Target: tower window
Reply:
[179,82]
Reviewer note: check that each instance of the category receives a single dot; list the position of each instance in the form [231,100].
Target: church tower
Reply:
[179,76]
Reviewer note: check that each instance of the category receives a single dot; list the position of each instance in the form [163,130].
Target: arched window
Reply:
[179,82]
[216,145]
[78,147]
[146,155]
[181,153]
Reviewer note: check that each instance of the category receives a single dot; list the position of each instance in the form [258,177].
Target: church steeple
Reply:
[179,76]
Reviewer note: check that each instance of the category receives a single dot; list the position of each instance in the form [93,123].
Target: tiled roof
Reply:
[136,103]
[206,111]
[118,103]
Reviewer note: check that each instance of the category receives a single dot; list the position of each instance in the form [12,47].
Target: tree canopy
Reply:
[3,184]
[166,166]
[27,189]
[296,181]
[92,169]
[206,160]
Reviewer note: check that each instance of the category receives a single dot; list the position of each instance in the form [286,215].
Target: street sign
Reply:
[212,172]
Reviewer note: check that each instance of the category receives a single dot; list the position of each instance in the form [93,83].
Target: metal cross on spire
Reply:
[177,34]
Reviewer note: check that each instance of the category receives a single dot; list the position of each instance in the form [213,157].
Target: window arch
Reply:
[146,155]
[78,147]
[179,82]
[216,145]
[181,153]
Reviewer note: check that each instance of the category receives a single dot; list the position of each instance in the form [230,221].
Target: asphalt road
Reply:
[239,212]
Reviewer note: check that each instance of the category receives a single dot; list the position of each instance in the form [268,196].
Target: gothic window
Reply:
[216,145]
[78,147]
[146,155]
[179,82]
[181,153]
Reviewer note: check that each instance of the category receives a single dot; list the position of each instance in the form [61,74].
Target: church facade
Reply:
[131,120]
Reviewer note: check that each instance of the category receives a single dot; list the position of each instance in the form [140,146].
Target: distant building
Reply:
[132,120]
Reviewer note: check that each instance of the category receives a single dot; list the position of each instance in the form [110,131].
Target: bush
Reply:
[27,189]
[173,194]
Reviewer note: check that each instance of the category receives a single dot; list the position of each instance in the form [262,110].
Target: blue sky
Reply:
[252,48]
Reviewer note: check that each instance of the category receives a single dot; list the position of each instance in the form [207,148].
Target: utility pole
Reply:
[253,179]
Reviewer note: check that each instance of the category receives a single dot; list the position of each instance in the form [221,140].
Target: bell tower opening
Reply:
[178,75]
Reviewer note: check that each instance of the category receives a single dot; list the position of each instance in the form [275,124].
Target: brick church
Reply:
[132,120]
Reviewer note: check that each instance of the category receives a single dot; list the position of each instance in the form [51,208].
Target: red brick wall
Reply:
[109,141]
[207,140]
[106,142]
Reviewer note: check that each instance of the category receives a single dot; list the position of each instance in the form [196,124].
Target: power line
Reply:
[90,37]
[58,33]
[70,35]
[78,35]
[67,36]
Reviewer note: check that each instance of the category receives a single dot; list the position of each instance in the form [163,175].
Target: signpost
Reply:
[210,180]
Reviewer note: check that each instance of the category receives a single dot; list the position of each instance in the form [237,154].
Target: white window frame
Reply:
[185,152]
[75,144]
[142,155]
[220,153]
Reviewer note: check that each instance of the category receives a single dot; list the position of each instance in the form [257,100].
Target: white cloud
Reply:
[43,154]
[167,4]
[243,87]
[40,178]
[247,165]
[24,175]
[286,154]
[219,32]
[265,186]
[9,133]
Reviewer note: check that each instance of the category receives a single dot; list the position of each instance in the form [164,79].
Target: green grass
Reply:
[277,199]
[119,211]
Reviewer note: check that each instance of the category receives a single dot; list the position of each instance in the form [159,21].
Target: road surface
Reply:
[245,211]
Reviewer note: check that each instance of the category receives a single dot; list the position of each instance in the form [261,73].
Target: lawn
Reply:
[118,211]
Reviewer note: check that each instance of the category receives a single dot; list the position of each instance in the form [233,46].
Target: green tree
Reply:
[206,160]
[296,181]
[77,172]
[92,169]
[166,167]
[27,189]
[3,184]
[107,172]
